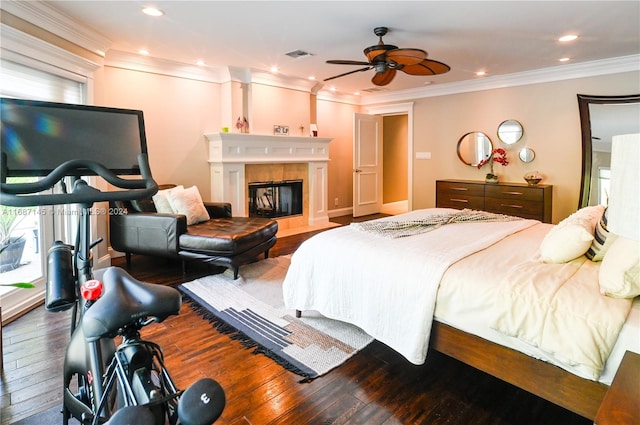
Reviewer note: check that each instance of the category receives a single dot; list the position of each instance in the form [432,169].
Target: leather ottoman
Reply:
[228,242]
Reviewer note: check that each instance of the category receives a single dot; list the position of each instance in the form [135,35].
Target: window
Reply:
[33,228]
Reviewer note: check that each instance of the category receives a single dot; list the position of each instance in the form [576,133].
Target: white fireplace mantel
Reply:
[230,152]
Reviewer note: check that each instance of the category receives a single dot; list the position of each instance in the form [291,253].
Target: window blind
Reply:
[25,82]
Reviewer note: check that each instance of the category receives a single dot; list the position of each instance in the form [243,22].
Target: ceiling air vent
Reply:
[298,54]
[374,89]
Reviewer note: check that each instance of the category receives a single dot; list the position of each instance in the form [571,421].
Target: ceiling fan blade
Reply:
[373,52]
[407,56]
[426,67]
[346,62]
[383,78]
[347,73]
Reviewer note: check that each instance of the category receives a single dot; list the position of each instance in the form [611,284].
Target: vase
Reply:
[491,178]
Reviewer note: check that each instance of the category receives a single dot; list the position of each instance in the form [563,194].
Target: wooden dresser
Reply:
[517,199]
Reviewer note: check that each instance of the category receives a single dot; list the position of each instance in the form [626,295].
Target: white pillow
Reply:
[188,202]
[620,269]
[572,237]
[162,203]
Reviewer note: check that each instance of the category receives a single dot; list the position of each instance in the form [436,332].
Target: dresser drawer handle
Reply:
[459,200]
[511,206]
[464,189]
[513,193]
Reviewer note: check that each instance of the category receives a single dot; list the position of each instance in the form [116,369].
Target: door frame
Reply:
[401,109]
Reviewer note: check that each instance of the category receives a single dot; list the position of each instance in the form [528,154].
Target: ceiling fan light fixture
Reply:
[387,59]
[380,66]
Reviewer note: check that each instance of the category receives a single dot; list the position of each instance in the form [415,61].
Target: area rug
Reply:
[251,308]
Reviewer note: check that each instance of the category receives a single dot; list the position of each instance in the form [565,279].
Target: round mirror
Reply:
[474,147]
[509,132]
[526,155]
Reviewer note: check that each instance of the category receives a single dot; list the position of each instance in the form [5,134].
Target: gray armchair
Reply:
[223,240]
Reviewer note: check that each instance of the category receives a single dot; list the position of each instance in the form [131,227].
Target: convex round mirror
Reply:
[526,155]
[474,147]
[510,132]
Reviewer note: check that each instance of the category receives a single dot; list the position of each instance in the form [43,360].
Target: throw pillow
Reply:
[620,269]
[572,237]
[602,240]
[189,203]
[162,203]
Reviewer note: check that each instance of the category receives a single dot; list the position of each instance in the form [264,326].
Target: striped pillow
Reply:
[602,239]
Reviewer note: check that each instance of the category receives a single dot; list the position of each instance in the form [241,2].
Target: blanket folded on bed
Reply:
[387,288]
[559,309]
[404,228]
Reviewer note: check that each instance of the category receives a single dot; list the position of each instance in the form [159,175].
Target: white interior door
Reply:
[367,164]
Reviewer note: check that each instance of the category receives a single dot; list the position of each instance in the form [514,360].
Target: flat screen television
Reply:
[38,136]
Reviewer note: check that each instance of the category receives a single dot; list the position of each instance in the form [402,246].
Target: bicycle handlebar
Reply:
[14,194]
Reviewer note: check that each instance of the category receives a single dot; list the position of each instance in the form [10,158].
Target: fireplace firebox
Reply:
[275,199]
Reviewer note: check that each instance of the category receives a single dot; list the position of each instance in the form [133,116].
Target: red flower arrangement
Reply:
[498,155]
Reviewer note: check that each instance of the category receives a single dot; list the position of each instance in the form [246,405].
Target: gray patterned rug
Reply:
[251,309]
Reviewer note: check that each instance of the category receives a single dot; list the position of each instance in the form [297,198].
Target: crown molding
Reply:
[24,48]
[283,81]
[544,75]
[41,14]
[136,62]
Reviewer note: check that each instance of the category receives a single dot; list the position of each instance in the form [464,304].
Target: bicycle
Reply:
[115,385]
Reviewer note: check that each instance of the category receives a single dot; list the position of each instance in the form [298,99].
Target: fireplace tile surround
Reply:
[231,154]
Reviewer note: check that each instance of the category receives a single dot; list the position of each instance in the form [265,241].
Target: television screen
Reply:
[38,136]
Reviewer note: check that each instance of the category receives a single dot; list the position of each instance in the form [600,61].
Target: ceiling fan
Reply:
[387,59]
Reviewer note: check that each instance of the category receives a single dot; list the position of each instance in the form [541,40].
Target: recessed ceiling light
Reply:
[200,62]
[564,59]
[312,78]
[357,93]
[332,88]
[481,73]
[274,69]
[568,37]
[152,11]
[143,52]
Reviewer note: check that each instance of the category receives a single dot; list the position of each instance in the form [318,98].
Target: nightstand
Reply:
[621,403]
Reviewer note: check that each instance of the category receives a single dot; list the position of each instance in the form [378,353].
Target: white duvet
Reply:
[387,287]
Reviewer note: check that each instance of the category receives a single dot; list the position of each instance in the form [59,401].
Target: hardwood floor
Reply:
[377,386]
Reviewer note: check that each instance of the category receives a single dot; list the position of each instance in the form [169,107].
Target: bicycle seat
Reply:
[124,301]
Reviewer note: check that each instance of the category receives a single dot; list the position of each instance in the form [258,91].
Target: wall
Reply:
[271,106]
[549,115]
[177,112]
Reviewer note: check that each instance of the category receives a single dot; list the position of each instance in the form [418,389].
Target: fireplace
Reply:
[275,199]
[233,157]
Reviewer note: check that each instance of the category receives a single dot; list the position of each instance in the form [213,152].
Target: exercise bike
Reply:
[102,382]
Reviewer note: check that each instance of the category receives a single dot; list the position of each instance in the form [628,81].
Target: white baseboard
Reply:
[392,208]
[102,262]
[115,254]
[340,212]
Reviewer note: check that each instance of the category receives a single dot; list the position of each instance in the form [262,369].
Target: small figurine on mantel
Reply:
[242,125]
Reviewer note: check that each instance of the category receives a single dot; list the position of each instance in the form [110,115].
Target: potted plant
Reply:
[498,155]
[11,247]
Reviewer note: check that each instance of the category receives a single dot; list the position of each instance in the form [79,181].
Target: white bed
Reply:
[393,290]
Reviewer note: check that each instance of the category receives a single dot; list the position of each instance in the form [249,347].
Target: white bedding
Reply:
[469,290]
[376,284]
[387,287]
